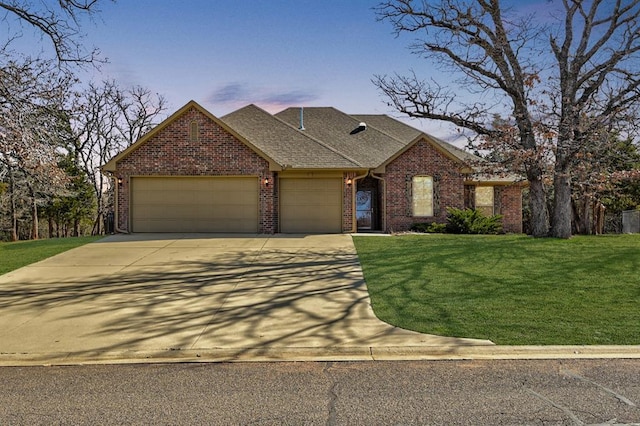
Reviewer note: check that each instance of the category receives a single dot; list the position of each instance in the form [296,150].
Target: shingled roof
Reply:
[408,134]
[370,147]
[326,138]
[330,140]
[288,146]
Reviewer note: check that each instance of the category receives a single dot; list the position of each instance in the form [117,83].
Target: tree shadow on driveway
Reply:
[193,300]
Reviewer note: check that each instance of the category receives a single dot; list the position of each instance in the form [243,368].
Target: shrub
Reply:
[472,221]
[429,228]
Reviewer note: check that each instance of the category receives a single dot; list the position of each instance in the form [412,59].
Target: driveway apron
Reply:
[196,293]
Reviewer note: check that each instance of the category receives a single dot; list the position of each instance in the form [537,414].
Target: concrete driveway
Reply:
[199,297]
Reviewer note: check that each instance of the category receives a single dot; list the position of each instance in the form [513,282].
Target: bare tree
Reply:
[479,45]
[58,21]
[106,120]
[597,54]
[506,65]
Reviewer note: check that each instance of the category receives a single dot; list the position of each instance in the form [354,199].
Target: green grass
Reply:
[22,253]
[513,290]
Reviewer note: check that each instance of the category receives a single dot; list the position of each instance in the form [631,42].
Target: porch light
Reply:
[119,181]
[266,181]
[349,181]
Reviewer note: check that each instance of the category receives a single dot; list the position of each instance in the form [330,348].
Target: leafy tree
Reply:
[558,85]
[75,204]
[622,191]
[31,94]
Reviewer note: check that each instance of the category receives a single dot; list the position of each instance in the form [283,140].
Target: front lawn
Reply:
[22,253]
[513,290]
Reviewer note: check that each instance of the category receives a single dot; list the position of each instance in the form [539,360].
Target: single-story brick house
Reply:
[311,170]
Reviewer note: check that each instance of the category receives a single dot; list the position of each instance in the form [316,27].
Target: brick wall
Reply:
[216,153]
[421,159]
[348,194]
[511,208]
[507,202]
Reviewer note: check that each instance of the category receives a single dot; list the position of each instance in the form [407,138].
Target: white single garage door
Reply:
[311,205]
[194,204]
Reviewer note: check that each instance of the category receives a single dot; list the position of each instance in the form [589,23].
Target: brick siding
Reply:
[511,208]
[348,195]
[216,153]
[422,159]
[507,202]
[170,152]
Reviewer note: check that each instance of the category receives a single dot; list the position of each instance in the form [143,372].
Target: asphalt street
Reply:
[480,392]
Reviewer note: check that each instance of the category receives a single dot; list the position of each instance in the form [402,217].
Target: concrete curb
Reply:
[300,354]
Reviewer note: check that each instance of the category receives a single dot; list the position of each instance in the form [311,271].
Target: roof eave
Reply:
[497,181]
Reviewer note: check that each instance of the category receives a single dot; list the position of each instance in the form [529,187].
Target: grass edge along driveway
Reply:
[513,290]
[22,253]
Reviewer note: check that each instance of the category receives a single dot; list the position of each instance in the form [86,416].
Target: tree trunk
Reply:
[50,226]
[12,206]
[587,209]
[538,204]
[599,213]
[561,222]
[576,218]
[97,229]
[34,221]
[34,214]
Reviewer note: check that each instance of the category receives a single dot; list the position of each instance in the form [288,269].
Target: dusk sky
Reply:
[225,54]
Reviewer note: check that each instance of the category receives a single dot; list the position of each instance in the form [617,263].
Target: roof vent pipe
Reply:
[301,119]
[362,126]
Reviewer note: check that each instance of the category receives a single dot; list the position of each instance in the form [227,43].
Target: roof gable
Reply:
[411,135]
[110,166]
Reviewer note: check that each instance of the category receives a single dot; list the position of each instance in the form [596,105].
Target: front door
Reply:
[364,209]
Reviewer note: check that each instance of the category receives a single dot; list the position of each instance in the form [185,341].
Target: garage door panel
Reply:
[195,204]
[230,186]
[314,199]
[238,198]
[321,185]
[316,213]
[311,205]
[229,213]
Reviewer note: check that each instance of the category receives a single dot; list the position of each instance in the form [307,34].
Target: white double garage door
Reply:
[231,204]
